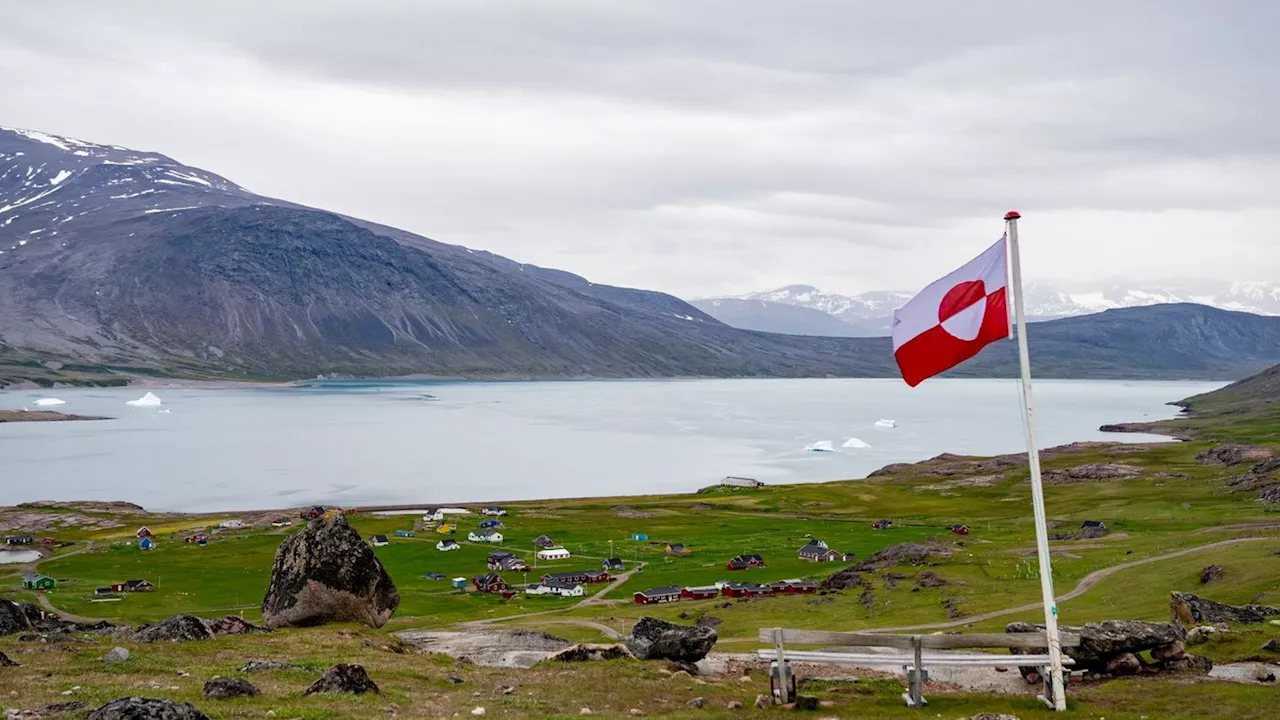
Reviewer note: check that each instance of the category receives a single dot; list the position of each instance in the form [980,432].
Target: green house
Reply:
[38,582]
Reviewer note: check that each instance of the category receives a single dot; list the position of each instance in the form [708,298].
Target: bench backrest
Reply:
[1029,641]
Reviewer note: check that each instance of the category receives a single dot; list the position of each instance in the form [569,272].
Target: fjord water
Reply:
[366,443]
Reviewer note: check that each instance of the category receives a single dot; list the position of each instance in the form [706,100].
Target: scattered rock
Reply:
[477,711]
[6,662]
[325,574]
[179,628]
[891,579]
[1101,642]
[589,652]
[734,705]
[1211,573]
[220,688]
[653,639]
[1227,455]
[993,716]
[635,712]
[1124,664]
[681,676]
[846,579]
[697,702]
[900,555]
[807,702]
[744,679]
[1189,663]
[1092,471]
[708,621]
[115,655]
[1172,651]
[763,702]
[49,711]
[585,711]
[505,690]
[345,679]
[453,680]
[929,579]
[138,708]
[1200,634]
[257,666]
[1191,609]
[233,625]
[1272,645]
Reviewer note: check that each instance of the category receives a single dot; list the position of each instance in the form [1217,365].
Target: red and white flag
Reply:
[954,318]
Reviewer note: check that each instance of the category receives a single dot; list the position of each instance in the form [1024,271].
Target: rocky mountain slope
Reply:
[869,314]
[117,259]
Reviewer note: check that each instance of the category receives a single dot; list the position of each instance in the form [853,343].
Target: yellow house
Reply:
[446,529]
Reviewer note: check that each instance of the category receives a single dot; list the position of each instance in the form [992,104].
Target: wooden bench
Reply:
[913,660]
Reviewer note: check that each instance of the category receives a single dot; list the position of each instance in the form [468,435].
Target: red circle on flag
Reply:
[960,298]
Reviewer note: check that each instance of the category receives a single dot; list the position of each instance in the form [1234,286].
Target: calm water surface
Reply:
[403,442]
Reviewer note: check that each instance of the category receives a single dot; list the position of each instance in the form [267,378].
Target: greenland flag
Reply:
[953,318]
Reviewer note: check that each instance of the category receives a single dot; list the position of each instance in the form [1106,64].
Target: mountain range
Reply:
[806,310]
[119,261]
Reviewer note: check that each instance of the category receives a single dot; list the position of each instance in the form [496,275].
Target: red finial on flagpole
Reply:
[1012,215]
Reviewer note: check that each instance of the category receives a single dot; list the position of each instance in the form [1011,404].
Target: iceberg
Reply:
[821,446]
[854,442]
[46,402]
[163,412]
[148,400]
[886,423]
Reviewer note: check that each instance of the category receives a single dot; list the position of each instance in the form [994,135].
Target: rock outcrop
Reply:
[1105,644]
[179,628]
[325,574]
[1191,609]
[257,666]
[220,688]
[344,679]
[592,652]
[1211,573]
[1230,454]
[654,639]
[902,554]
[138,708]
[233,625]
[6,662]
[1093,471]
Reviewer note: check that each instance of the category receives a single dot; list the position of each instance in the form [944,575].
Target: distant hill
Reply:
[773,317]
[114,260]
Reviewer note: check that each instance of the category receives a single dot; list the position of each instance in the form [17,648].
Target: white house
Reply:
[555,588]
[490,536]
[445,545]
[378,541]
[433,515]
[494,511]
[231,524]
[734,481]
[554,554]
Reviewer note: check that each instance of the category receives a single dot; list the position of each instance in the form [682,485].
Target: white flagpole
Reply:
[1058,700]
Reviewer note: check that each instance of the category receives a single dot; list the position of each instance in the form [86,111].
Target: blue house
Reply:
[145,544]
[491,523]
[404,533]
[203,541]
[639,536]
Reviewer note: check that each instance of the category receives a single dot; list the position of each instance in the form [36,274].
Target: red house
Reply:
[798,587]
[740,590]
[709,592]
[743,562]
[959,529]
[578,577]
[491,582]
[658,595]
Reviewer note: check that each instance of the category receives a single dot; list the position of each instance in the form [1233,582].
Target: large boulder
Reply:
[1102,642]
[327,573]
[138,708]
[221,688]
[13,618]
[1194,610]
[6,662]
[344,679]
[1234,454]
[654,639]
[233,625]
[587,652]
[179,628]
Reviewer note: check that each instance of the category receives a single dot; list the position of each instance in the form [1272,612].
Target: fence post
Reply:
[782,667]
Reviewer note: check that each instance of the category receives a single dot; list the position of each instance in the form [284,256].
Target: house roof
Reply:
[488,578]
[35,576]
[613,561]
[659,591]
[379,538]
[487,533]
[559,585]
[448,541]
[703,589]
[1093,523]
[135,583]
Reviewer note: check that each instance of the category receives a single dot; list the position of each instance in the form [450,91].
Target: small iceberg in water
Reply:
[882,423]
[148,400]
[48,402]
[164,411]
[854,442]
[821,446]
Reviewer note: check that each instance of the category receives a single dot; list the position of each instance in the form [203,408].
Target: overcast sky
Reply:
[706,147]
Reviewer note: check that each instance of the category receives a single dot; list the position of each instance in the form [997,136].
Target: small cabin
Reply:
[744,590]
[612,564]
[487,536]
[658,595]
[743,482]
[447,545]
[639,536]
[707,592]
[314,513]
[458,583]
[678,550]
[281,522]
[99,592]
[19,540]
[404,533]
[133,586]
[491,523]
[38,582]
[143,532]
[959,529]
[146,543]
[231,524]
[1093,529]
[433,515]
[493,511]
[561,589]
[882,524]
[544,541]
[378,541]
[554,554]
[446,529]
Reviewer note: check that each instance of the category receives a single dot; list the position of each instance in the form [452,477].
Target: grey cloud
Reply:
[697,147]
